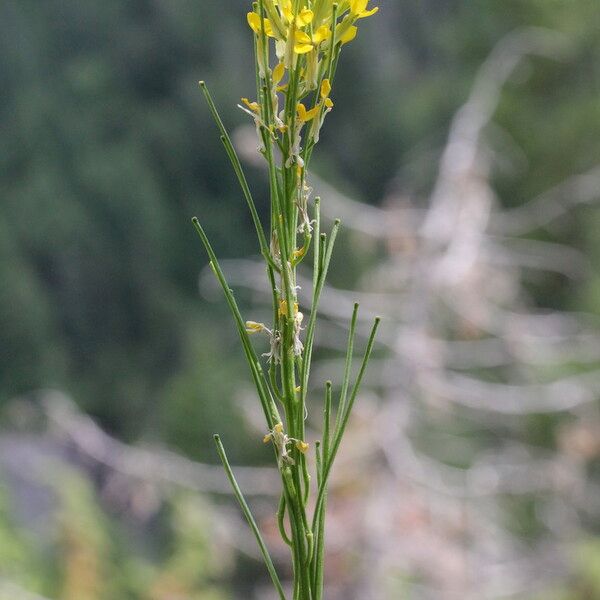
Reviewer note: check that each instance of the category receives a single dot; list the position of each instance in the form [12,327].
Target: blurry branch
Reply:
[554,203]
[154,465]
[137,473]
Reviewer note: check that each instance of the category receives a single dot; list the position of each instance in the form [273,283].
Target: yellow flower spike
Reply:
[349,35]
[325,88]
[302,446]
[278,428]
[253,106]
[255,23]
[254,327]
[358,8]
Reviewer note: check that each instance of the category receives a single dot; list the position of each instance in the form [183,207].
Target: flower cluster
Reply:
[303,27]
[281,441]
[307,35]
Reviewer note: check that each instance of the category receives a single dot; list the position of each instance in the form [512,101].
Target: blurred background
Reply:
[463,157]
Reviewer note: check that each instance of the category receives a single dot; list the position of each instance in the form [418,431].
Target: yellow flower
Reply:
[253,106]
[305,43]
[282,440]
[298,254]
[358,9]
[283,308]
[254,327]
[349,34]
[278,73]
[302,446]
[303,18]
[325,91]
[306,115]
[254,21]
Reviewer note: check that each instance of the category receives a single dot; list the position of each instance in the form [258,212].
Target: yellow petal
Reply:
[368,13]
[302,37]
[278,73]
[349,35]
[254,327]
[302,446]
[254,21]
[358,6]
[253,106]
[305,116]
[325,88]
[303,43]
[283,303]
[328,103]
[299,253]
[322,34]
[283,308]
[312,113]
[278,428]
[267,438]
[286,9]
[303,48]
[305,17]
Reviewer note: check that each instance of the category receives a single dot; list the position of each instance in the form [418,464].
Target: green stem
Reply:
[281,521]
[310,329]
[268,404]
[248,514]
[347,367]
[337,438]
[237,167]
[318,563]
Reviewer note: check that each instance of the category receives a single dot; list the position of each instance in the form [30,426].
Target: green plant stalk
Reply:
[309,44]
[249,517]
[320,531]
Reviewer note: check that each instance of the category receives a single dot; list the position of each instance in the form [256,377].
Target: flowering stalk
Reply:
[297,46]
